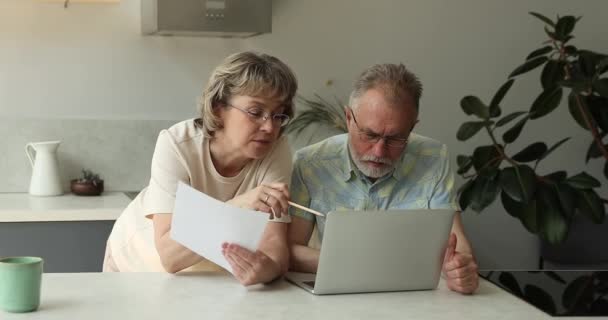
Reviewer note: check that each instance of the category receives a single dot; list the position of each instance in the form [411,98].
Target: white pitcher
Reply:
[46,180]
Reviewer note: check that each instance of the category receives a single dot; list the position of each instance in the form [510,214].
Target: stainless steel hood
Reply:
[206,18]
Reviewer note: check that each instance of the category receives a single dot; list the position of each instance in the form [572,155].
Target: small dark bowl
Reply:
[86,188]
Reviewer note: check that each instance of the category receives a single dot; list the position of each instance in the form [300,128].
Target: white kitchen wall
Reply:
[90,62]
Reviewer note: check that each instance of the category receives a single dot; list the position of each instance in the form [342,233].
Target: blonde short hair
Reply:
[246,73]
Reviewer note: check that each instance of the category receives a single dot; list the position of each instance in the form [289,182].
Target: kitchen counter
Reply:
[21,207]
[220,296]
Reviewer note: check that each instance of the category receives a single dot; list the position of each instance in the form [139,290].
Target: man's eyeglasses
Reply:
[259,116]
[373,138]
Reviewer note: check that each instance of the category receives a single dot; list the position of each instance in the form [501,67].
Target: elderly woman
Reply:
[234,152]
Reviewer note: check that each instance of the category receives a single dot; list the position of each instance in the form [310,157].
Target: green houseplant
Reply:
[318,111]
[545,204]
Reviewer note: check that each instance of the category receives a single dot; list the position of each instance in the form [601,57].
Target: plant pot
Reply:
[86,188]
[585,245]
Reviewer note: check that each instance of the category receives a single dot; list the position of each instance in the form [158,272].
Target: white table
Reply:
[148,296]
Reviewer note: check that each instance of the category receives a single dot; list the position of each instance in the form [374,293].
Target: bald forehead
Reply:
[386,97]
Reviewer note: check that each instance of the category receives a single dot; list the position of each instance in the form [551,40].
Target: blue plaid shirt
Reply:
[325,179]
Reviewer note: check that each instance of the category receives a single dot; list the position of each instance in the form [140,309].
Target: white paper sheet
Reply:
[202,223]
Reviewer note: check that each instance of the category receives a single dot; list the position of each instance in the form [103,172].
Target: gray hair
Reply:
[245,73]
[395,80]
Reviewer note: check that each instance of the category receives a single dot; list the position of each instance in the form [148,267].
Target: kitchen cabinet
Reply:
[68,231]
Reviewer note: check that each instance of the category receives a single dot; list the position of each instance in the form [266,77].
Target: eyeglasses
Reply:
[373,138]
[258,116]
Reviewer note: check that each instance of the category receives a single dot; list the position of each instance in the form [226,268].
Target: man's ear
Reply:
[347,114]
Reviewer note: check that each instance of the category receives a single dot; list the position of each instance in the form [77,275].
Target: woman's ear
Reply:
[219,112]
[218,109]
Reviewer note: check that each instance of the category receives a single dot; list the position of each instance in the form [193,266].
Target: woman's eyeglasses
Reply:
[258,116]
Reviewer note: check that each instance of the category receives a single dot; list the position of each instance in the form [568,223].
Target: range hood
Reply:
[206,18]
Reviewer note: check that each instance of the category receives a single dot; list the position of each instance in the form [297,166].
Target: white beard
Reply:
[368,171]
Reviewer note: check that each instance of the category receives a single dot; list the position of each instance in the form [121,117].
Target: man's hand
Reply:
[460,269]
[250,267]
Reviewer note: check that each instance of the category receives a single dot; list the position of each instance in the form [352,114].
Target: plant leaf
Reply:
[570,50]
[552,223]
[485,190]
[543,18]
[552,73]
[539,298]
[508,118]
[587,62]
[473,105]
[509,282]
[551,35]
[539,52]
[464,163]
[318,111]
[528,66]
[531,152]
[483,155]
[565,26]
[583,181]
[498,96]
[465,194]
[514,132]
[557,176]
[546,102]
[601,87]
[593,151]
[469,129]
[575,112]
[598,107]
[579,291]
[567,199]
[602,66]
[591,205]
[518,182]
[553,147]
[462,160]
[525,212]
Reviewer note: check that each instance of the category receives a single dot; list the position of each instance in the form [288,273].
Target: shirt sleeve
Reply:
[444,196]
[298,191]
[277,168]
[168,168]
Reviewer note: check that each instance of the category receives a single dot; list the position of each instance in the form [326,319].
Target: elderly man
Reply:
[379,164]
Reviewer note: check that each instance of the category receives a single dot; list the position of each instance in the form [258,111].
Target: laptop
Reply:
[378,251]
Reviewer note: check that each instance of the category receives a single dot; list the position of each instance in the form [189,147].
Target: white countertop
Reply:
[21,207]
[219,296]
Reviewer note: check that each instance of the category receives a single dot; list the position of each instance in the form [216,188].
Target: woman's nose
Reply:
[268,125]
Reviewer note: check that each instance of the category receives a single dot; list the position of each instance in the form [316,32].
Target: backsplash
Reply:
[119,150]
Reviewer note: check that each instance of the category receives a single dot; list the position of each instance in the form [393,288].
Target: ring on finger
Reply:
[267,197]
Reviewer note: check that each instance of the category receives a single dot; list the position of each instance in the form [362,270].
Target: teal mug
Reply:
[20,279]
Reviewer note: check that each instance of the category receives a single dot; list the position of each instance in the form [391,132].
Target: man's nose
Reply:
[379,149]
